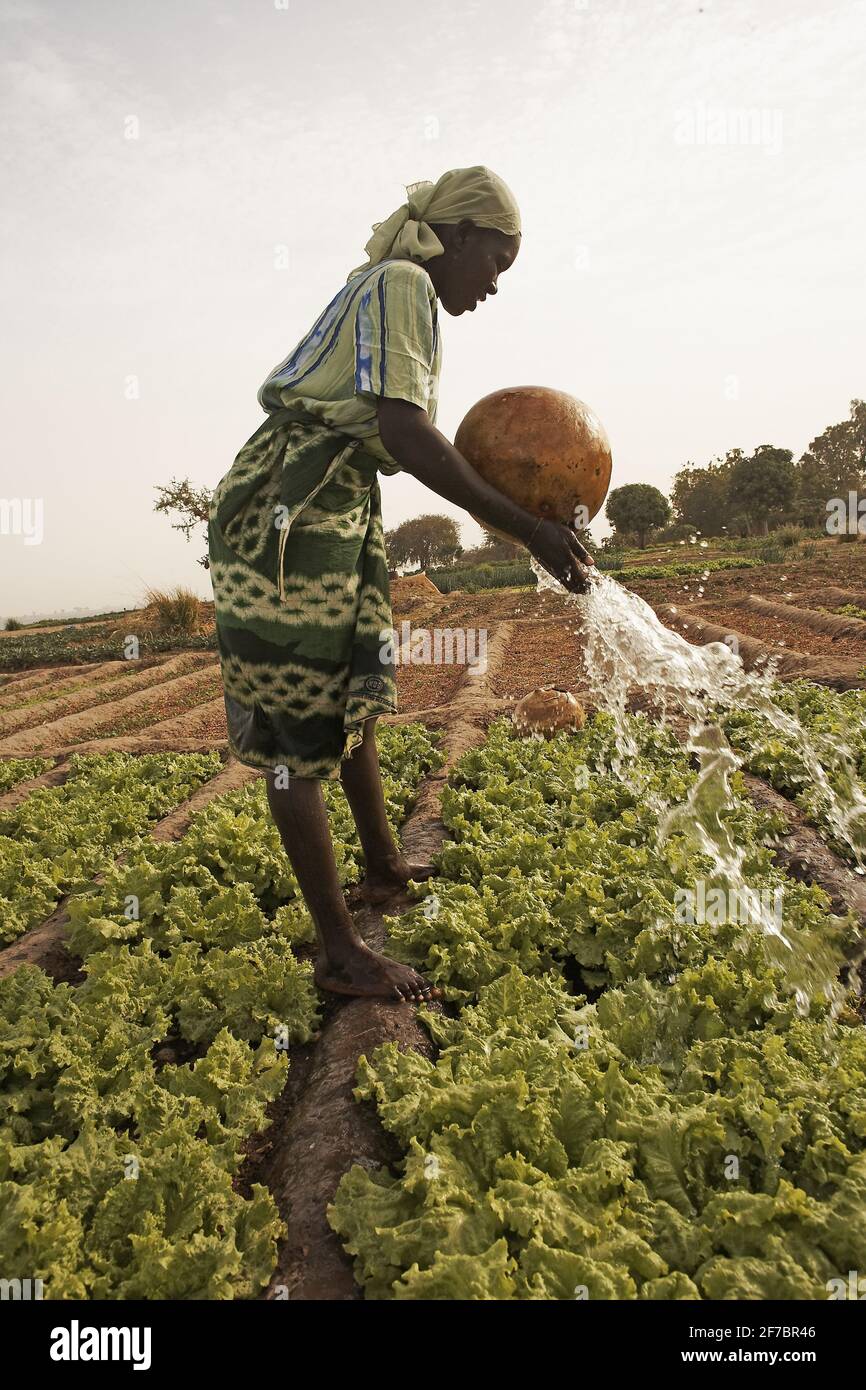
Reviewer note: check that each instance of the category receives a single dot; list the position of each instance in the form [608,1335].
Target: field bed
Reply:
[540,653]
[206,721]
[211,1072]
[16,696]
[44,943]
[69,729]
[832,567]
[165,1025]
[525,1208]
[172,702]
[106,685]
[781,632]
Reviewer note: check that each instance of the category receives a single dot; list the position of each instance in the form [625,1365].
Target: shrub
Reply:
[174,611]
[13,625]
[789,535]
[771,553]
[483,577]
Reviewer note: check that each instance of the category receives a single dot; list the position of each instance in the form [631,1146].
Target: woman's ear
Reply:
[461,234]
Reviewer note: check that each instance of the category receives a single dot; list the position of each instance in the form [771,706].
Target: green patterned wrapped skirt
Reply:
[303,606]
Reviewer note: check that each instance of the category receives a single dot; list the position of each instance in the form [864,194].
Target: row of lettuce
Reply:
[126,1102]
[628,1104]
[58,838]
[14,771]
[519,573]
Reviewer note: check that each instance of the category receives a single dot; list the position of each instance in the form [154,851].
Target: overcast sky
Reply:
[690,177]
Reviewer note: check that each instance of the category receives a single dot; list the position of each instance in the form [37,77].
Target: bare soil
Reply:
[106,683]
[780,632]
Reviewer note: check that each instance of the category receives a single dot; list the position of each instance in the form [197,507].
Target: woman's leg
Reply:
[387,869]
[345,964]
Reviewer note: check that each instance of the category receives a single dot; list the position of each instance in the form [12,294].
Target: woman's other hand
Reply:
[556,547]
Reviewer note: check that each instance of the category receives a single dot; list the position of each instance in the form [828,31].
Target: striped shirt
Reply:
[379,336]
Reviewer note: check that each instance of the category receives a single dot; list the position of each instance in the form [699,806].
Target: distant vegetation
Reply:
[69,645]
[484,576]
[767,490]
[178,611]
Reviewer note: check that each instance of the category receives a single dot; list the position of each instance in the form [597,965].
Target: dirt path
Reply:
[325,1131]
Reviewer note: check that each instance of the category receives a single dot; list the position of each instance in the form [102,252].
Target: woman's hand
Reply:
[409,436]
[556,547]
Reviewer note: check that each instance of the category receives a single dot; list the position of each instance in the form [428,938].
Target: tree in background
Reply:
[191,504]
[496,548]
[700,496]
[424,541]
[637,509]
[833,465]
[763,485]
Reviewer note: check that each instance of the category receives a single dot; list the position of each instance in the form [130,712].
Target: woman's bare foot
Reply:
[389,876]
[361,972]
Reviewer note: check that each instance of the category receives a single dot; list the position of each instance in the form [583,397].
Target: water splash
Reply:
[627,649]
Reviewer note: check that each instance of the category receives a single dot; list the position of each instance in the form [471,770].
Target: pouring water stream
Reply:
[626,647]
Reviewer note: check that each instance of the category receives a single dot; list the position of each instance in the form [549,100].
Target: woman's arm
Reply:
[420,449]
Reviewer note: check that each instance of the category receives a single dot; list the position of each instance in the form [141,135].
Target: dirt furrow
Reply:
[833,624]
[99,698]
[803,854]
[141,743]
[325,1131]
[51,777]
[26,680]
[789,664]
[62,732]
[830,596]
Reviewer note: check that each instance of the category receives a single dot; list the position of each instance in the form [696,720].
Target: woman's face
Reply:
[468,270]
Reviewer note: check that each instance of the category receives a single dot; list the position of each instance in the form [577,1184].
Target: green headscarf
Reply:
[476,193]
